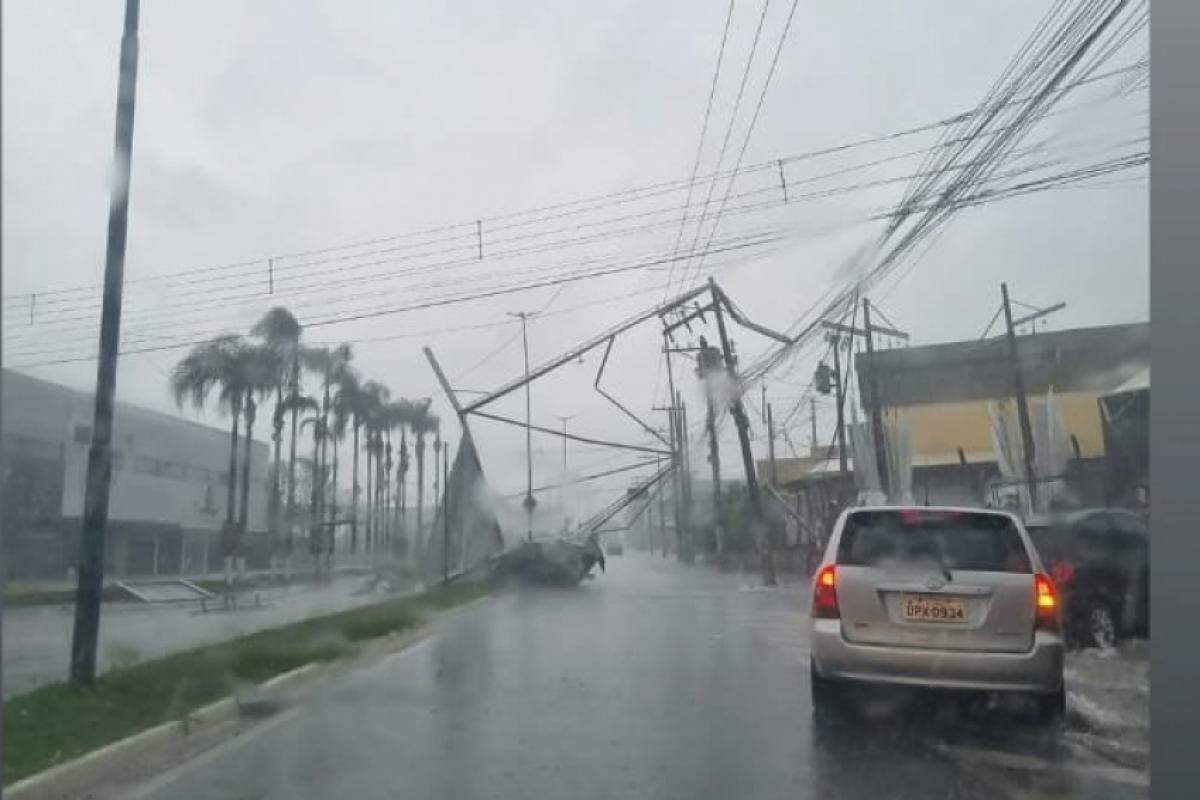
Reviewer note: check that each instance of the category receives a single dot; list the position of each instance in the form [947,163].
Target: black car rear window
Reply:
[954,540]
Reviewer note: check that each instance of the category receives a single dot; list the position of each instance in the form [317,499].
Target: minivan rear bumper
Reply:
[1039,669]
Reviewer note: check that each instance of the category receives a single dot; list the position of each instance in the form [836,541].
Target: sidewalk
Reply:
[39,636]
[1108,702]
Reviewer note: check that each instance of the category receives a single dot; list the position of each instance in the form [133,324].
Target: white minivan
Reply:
[940,597]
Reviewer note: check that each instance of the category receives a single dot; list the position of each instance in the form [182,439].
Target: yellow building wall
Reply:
[937,430]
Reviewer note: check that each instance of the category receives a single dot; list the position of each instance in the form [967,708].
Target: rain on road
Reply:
[652,681]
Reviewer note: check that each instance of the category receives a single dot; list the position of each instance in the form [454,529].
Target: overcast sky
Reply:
[270,128]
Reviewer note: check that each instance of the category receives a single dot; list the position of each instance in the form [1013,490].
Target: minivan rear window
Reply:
[952,540]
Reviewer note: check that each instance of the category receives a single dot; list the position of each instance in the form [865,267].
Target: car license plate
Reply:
[933,608]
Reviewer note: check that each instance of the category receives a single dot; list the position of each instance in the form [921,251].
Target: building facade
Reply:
[168,492]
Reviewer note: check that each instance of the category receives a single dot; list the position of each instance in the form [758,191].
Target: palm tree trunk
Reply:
[387,489]
[370,537]
[244,512]
[420,448]
[380,533]
[314,515]
[324,445]
[401,481]
[273,523]
[228,540]
[333,508]
[354,495]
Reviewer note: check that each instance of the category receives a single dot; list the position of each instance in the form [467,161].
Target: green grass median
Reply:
[57,723]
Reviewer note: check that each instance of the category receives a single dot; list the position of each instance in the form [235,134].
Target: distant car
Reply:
[1100,559]
[935,597]
[615,549]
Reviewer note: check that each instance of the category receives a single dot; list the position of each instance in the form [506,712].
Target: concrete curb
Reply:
[63,780]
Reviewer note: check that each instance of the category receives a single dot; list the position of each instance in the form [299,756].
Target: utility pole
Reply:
[530,503]
[686,543]
[662,513]
[562,497]
[710,362]
[876,405]
[446,521]
[738,411]
[771,443]
[99,469]
[676,478]
[812,418]
[841,424]
[1027,446]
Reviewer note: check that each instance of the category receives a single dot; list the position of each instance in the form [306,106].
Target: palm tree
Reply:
[423,422]
[395,415]
[315,521]
[219,363]
[294,404]
[328,364]
[374,398]
[347,409]
[280,331]
[260,374]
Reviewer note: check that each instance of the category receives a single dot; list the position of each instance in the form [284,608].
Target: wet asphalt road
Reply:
[653,681]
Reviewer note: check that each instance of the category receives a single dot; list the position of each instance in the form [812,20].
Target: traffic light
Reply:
[823,378]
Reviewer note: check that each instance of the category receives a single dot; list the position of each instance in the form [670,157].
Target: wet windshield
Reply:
[460,399]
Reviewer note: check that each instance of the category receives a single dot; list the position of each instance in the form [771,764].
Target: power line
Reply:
[700,145]
[46,296]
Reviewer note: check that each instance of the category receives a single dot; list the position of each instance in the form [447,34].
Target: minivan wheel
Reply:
[1102,627]
[1051,708]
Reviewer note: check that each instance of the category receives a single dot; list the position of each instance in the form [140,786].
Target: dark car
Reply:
[615,549]
[1100,559]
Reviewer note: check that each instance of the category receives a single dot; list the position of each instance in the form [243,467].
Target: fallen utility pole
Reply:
[738,410]
[99,469]
[1027,446]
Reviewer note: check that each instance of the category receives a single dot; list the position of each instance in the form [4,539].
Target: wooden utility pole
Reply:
[662,513]
[771,442]
[738,410]
[99,469]
[677,486]
[876,405]
[687,551]
[841,423]
[530,503]
[812,418]
[1027,446]
[446,517]
[709,361]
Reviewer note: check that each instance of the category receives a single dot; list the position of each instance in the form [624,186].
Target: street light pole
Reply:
[529,502]
[562,501]
[99,469]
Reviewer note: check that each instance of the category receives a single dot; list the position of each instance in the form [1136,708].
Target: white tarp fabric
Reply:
[471,533]
[898,451]
[1006,441]
[1052,452]
[866,474]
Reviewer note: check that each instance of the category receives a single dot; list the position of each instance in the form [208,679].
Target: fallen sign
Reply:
[165,591]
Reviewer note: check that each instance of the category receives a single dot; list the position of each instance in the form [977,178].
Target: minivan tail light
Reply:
[825,604]
[1046,601]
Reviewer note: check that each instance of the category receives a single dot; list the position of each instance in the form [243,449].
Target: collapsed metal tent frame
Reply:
[717,302]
